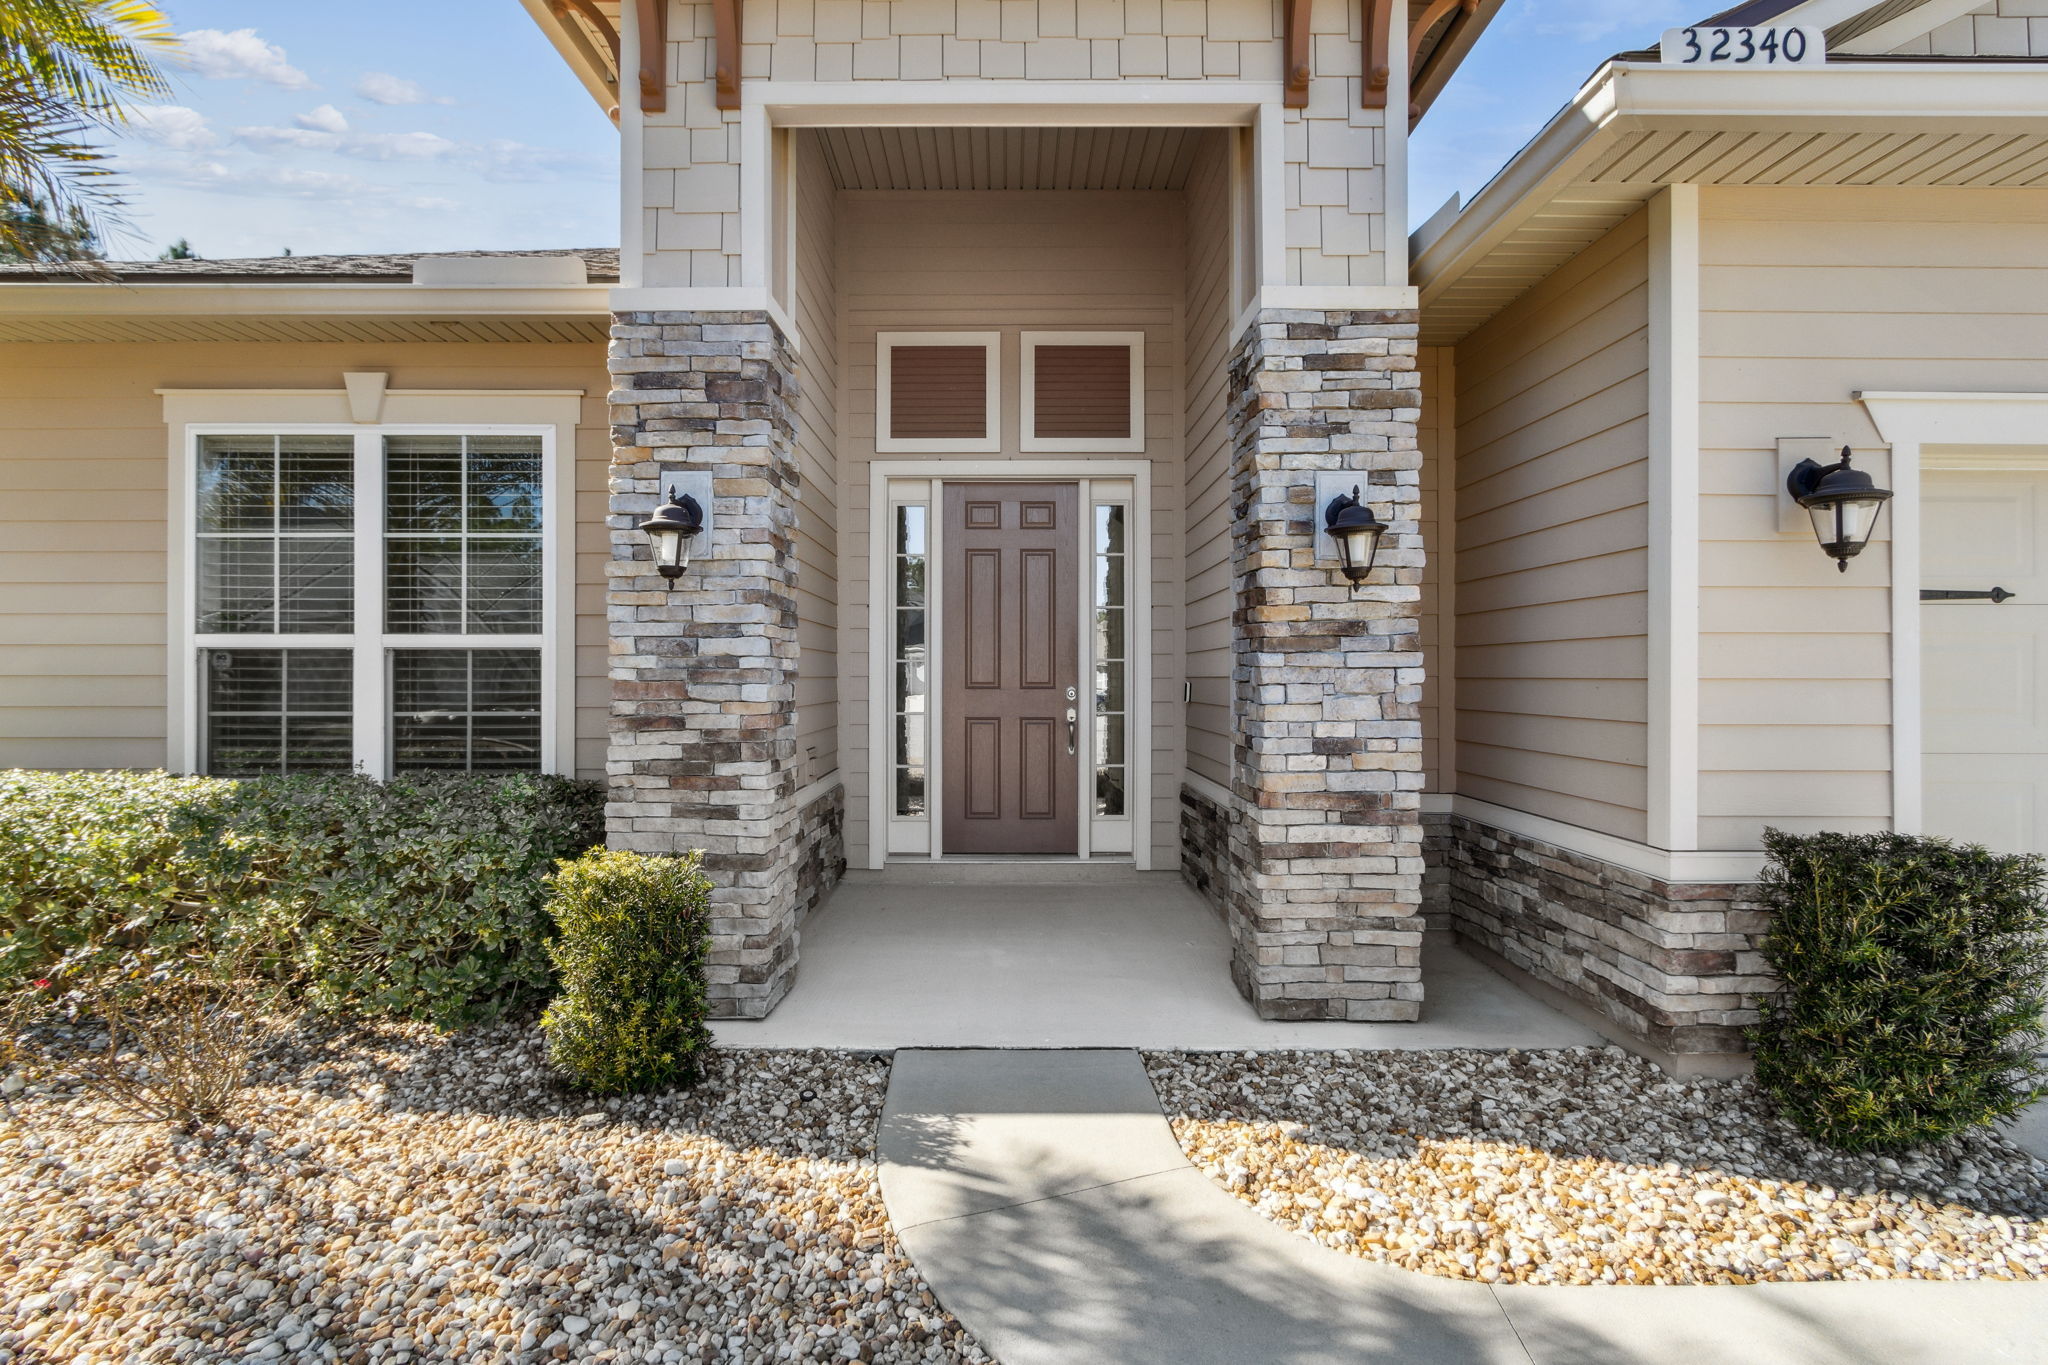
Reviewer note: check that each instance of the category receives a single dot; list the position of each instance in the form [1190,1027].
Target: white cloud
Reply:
[172,125]
[325,119]
[381,87]
[241,55]
[361,146]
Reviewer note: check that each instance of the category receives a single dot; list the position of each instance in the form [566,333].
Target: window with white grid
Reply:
[373,599]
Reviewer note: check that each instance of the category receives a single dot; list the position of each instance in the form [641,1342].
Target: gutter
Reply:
[41,298]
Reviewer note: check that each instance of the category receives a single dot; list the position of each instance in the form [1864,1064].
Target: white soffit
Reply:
[1021,158]
[1637,127]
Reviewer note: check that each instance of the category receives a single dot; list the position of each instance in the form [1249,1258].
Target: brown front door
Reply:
[1011,580]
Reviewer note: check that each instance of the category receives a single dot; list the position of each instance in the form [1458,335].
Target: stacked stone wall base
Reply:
[1672,967]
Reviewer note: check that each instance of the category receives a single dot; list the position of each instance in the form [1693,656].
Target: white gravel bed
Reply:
[391,1195]
[1587,1166]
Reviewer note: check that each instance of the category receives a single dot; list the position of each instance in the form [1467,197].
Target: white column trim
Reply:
[1672,800]
[1920,428]
[1394,165]
[755,227]
[1269,185]
[632,154]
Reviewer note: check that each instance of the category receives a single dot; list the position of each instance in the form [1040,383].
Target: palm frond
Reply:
[67,70]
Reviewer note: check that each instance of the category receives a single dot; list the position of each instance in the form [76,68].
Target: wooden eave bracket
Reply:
[1379,52]
[1295,52]
[725,16]
[653,17]
[1462,12]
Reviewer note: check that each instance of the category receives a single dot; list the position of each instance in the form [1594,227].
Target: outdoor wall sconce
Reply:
[1843,503]
[674,525]
[1357,532]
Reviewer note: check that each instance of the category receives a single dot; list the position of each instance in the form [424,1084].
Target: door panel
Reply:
[1983,665]
[1010,660]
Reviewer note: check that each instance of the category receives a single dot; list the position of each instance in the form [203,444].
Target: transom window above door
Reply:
[374,599]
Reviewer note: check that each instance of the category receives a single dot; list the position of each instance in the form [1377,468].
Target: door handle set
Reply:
[1071,734]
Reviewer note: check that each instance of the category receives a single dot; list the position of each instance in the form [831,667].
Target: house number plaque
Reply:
[1744,47]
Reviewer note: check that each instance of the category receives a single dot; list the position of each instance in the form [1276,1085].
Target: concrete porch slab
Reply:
[1118,959]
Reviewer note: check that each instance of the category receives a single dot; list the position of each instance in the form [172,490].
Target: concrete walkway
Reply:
[1045,1200]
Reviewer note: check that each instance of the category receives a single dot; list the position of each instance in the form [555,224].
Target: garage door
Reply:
[1984,665]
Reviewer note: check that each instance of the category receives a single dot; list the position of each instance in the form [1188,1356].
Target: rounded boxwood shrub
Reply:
[634,935]
[1912,993]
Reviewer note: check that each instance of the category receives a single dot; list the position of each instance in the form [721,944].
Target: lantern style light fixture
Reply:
[671,529]
[1357,532]
[1843,503]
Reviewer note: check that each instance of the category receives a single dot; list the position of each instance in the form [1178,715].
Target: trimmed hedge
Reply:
[422,897]
[635,934]
[1913,973]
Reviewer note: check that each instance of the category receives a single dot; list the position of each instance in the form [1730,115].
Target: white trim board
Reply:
[1216,792]
[1933,429]
[1672,797]
[302,298]
[1689,866]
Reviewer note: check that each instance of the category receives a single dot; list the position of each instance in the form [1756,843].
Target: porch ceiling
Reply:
[1009,158]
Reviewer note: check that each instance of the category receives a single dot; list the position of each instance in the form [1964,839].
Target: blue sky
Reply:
[1529,63]
[440,125]
[367,126]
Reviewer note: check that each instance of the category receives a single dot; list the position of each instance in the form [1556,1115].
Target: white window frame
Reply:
[897,483]
[1027,396]
[550,415]
[991,439]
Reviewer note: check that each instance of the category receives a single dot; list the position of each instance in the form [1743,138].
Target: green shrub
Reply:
[92,860]
[1912,973]
[635,932]
[422,897]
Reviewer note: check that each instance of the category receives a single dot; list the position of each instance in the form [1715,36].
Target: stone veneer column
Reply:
[1325,874]
[703,719]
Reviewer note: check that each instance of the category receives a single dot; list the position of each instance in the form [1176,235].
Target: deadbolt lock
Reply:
[1073,694]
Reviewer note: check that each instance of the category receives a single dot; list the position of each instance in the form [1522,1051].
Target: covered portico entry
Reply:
[1071,333]
[1083,955]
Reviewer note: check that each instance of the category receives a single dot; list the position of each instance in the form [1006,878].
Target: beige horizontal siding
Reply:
[1807,296]
[1550,567]
[1209,310]
[83,465]
[817,438]
[1436,367]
